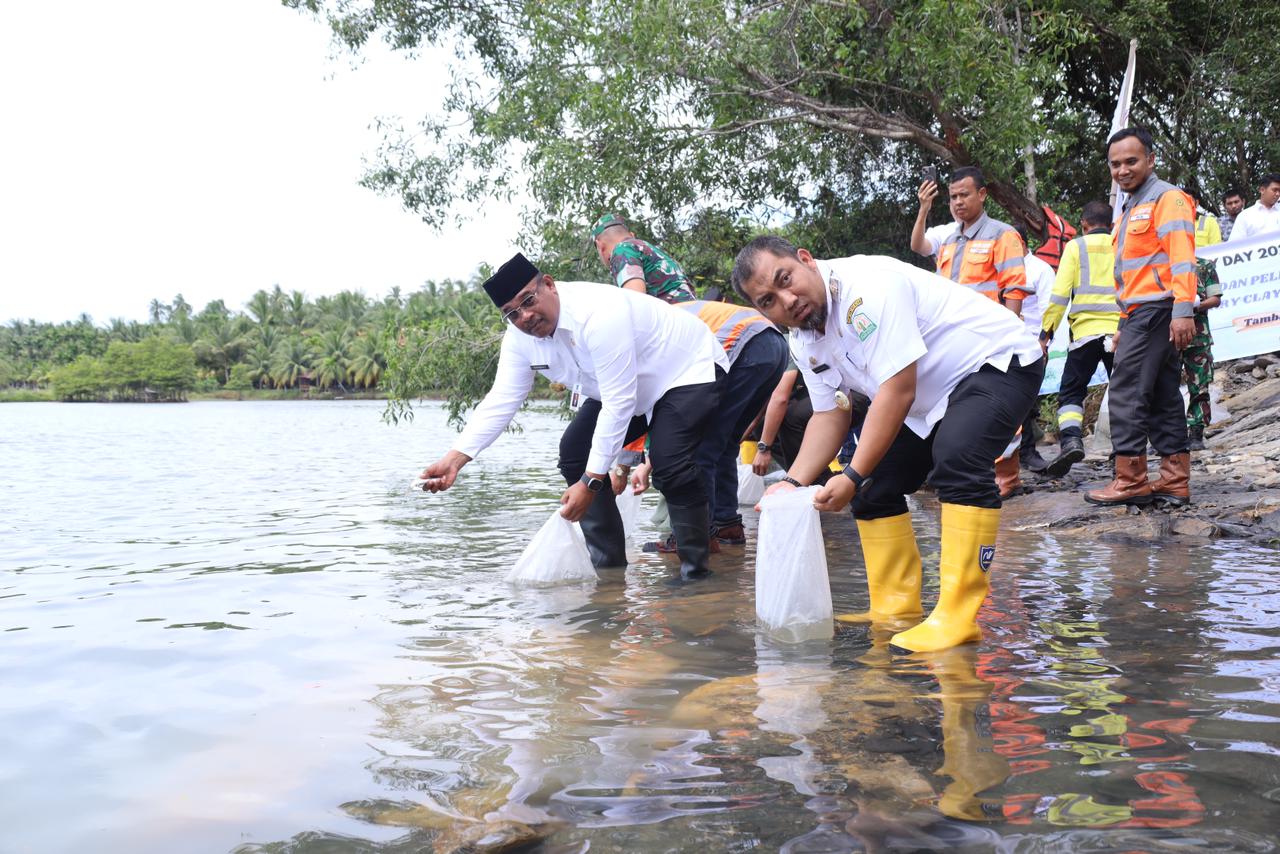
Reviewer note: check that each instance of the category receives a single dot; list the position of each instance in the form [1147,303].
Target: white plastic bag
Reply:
[792,588]
[629,509]
[556,555]
[750,485]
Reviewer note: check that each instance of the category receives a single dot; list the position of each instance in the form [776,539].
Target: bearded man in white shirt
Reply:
[638,365]
[950,374]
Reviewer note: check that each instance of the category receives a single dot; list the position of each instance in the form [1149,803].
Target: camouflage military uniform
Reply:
[1197,359]
[663,276]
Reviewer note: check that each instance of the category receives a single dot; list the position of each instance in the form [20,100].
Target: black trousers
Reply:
[959,457]
[1145,402]
[680,419]
[1076,373]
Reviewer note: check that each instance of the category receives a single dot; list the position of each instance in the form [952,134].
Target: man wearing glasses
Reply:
[634,364]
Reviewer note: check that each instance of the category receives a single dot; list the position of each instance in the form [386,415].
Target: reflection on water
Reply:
[231,626]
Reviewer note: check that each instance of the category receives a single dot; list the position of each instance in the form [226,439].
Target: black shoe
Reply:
[1070,452]
[1032,461]
[693,539]
[1195,439]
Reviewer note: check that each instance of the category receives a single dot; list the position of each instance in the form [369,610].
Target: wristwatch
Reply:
[595,484]
[762,446]
[859,482]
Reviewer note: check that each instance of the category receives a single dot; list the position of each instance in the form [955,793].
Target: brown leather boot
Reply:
[1129,487]
[1173,486]
[1008,477]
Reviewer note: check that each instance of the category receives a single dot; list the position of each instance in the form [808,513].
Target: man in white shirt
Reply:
[950,374]
[636,364]
[1040,280]
[1262,217]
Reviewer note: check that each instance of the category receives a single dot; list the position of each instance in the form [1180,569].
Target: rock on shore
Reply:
[1235,482]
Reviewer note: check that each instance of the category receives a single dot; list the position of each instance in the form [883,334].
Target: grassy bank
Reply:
[25,395]
[285,394]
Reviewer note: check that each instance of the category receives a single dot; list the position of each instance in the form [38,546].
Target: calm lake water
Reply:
[233,627]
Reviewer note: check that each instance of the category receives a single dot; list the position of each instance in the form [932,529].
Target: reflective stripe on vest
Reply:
[733,325]
[1085,295]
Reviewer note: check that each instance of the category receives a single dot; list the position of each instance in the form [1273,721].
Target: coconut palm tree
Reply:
[332,359]
[368,360]
[220,347]
[297,313]
[292,361]
[260,307]
[259,362]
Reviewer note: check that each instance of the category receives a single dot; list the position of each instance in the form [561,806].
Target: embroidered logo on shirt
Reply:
[863,326]
[986,554]
[1140,214]
[981,247]
[848,315]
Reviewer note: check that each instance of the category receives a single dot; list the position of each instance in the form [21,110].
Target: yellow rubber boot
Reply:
[968,547]
[747,453]
[970,757]
[893,569]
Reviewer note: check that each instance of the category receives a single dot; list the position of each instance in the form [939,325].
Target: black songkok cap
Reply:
[503,285]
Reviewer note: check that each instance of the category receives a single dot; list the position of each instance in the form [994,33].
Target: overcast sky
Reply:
[210,149]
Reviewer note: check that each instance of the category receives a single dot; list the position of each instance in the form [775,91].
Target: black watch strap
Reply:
[859,482]
[595,484]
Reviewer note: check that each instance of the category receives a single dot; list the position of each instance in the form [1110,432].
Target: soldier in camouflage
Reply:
[1197,359]
[637,264]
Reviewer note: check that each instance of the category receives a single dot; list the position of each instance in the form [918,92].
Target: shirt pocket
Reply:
[1141,226]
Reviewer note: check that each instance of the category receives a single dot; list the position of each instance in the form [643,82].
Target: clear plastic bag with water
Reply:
[750,485]
[556,555]
[793,593]
[629,510]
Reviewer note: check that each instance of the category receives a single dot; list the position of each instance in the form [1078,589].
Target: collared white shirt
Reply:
[1254,220]
[1040,279]
[626,349]
[883,315]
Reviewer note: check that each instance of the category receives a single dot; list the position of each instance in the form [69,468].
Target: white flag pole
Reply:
[1121,120]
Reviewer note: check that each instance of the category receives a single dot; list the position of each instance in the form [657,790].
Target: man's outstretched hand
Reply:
[441,474]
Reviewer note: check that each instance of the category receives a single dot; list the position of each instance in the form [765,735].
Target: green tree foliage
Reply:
[155,368]
[681,105]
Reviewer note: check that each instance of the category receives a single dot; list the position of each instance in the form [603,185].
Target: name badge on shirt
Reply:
[817,369]
[539,367]
[575,397]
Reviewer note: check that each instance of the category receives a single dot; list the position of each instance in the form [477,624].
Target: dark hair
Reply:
[1141,134]
[744,266]
[1269,179]
[1022,232]
[969,172]
[1232,192]
[1098,213]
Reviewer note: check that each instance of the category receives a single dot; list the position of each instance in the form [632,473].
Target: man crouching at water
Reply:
[636,364]
[950,375]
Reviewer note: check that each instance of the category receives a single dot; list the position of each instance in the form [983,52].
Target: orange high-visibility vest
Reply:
[733,325]
[989,254]
[1155,241]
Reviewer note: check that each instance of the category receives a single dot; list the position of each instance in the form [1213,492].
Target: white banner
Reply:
[1248,321]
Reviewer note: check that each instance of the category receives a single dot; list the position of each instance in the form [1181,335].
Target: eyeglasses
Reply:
[514,315]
